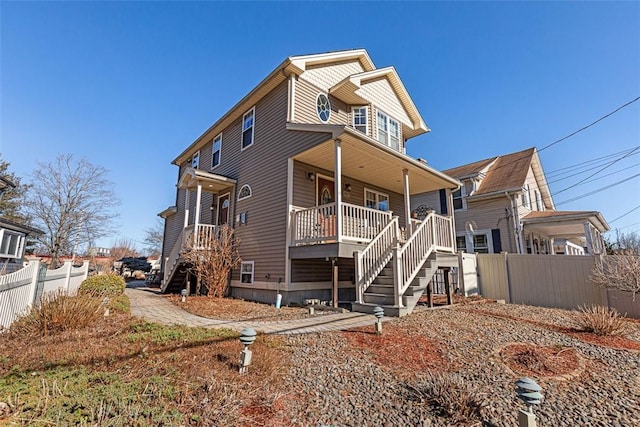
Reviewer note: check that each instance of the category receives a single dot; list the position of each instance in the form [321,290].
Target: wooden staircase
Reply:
[397,284]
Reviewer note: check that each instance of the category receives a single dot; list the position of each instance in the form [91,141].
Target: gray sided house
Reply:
[310,169]
[505,205]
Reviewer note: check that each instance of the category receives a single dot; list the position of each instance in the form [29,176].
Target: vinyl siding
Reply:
[380,93]
[326,76]
[487,215]
[430,200]
[306,111]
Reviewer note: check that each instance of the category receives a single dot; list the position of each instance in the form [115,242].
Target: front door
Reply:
[326,191]
[223,209]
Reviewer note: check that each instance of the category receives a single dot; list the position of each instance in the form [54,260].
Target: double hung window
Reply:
[388,131]
[247,128]
[215,151]
[376,200]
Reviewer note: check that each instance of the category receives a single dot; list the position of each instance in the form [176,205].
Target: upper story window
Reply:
[539,204]
[458,199]
[526,197]
[388,131]
[247,128]
[215,151]
[376,200]
[195,160]
[323,107]
[11,244]
[245,192]
[359,115]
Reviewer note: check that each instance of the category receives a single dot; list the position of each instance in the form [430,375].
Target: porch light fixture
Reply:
[347,189]
[311,176]
[529,391]
[213,205]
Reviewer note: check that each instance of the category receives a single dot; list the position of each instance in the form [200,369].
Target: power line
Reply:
[608,156]
[600,177]
[625,214]
[598,190]
[586,166]
[597,172]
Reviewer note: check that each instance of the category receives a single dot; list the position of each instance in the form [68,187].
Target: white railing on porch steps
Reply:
[372,259]
[409,258]
[318,224]
[203,233]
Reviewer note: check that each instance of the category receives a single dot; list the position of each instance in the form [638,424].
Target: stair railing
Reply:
[172,259]
[409,258]
[372,259]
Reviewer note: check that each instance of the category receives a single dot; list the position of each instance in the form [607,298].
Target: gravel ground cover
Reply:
[342,381]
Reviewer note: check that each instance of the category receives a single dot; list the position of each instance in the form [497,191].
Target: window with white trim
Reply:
[526,197]
[359,115]
[388,131]
[323,107]
[215,151]
[376,200]
[11,244]
[481,243]
[539,204]
[458,199]
[245,192]
[247,128]
[246,272]
[461,243]
[195,160]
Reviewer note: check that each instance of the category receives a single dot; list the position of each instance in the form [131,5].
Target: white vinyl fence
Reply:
[21,289]
[556,281]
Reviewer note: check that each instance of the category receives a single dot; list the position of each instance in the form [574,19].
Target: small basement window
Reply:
[246,272]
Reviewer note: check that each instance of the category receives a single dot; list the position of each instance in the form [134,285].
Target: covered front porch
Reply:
[349,199]
[564,232]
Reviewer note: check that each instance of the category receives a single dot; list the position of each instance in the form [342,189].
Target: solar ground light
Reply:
[247,337]
[379,313]
[529,392]
[184,295]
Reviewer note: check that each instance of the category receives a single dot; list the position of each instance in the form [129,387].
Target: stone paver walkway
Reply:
[148,304]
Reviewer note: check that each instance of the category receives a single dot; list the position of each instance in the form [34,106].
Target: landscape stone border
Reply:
[564,377]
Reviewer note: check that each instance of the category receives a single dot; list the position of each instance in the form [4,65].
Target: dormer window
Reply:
[388,131]
[359,115]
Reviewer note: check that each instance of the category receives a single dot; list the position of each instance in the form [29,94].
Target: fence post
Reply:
[357,255]
[506,271]
[67,265]
[34,282]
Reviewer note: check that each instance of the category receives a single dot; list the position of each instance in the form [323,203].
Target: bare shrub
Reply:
[211,257]
[59,312]
[619,272]
[450,396]
[602,320]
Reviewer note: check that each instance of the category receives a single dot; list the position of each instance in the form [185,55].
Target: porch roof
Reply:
[210,182]
[366,160]
[565,224]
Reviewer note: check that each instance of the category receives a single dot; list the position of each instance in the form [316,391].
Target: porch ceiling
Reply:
[564,224]
[210,182]
[373,163]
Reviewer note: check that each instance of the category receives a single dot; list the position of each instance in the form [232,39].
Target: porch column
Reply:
[588,237]
[451,214]
[337,182]
[186,207]
[407,202]
[196,221]
[552,251]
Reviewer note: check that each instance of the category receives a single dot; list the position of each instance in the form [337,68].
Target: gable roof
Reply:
[297,65]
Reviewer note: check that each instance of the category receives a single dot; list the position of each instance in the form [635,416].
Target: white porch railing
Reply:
[203,234]
[371,260]
[318,224]
[434,233]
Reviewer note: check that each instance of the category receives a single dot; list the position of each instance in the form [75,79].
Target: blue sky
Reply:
[130,85]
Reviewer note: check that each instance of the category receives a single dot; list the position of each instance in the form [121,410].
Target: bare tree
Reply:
[619,272]
[72,202]
[153,238]
[211,257]
[626,244]
[123,248]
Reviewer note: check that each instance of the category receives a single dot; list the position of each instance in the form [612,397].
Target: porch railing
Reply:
[318,224]
[433,233]
[372,259]
[203,234]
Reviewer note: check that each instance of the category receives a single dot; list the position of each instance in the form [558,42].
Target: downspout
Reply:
[516,223]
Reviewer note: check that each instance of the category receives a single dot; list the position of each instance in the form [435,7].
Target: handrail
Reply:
[172,259]
[433,233]
[372,259]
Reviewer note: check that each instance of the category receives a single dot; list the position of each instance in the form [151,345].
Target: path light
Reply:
[247,337]
[105,303]
[184,295]
[379,313]
[529,392]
